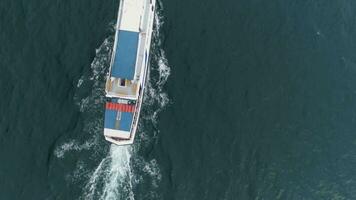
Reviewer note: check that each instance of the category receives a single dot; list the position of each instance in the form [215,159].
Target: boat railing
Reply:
[137,110]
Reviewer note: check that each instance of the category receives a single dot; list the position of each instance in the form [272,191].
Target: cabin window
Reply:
[122,82]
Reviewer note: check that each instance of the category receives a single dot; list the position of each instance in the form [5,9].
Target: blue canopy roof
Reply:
[125,55]
[123,124]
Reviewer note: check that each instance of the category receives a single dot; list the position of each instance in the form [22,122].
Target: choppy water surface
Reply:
[245,100]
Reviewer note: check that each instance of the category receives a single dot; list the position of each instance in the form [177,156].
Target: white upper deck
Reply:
[131,15]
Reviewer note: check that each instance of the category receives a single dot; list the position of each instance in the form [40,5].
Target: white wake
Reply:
[112,179]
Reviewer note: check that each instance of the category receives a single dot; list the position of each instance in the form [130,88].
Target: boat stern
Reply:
[119,120]
[115,137]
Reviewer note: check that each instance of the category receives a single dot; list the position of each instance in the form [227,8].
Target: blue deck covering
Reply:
[124,124]
[126,120]
[110,119]
[125,56]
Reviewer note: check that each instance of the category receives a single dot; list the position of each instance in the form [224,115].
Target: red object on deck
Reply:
[120,107]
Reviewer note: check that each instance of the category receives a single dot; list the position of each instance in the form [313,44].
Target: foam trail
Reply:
[90,103]
[91,186]
[71,146]
[120,175]
[112,179]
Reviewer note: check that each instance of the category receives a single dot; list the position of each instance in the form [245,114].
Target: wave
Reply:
[71,146]
[90,97]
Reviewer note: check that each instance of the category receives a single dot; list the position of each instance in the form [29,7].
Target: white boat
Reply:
[128,70]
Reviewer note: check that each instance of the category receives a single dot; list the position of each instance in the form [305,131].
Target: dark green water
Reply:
[246,99]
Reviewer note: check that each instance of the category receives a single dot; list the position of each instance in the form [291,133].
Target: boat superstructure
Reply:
[128,69]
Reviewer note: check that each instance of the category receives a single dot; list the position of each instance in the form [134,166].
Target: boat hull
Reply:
[116,107]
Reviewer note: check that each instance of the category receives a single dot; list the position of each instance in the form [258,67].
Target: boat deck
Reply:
[125,55]
[114,87]
[119,117]
[128,69]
